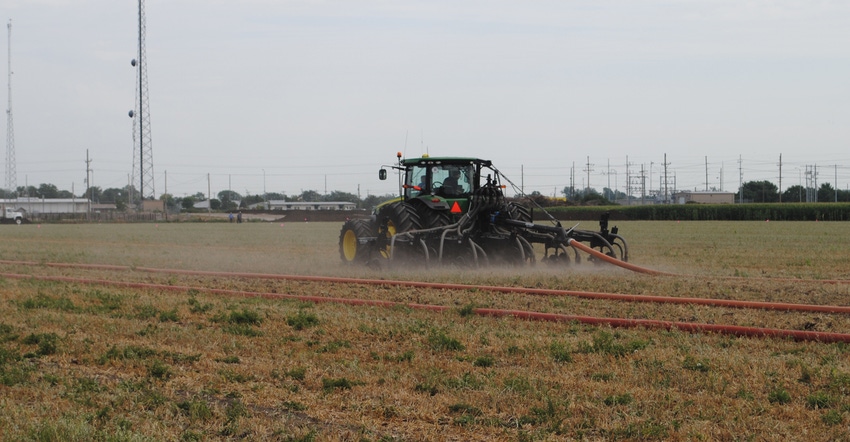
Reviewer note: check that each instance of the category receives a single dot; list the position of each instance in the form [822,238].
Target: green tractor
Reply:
[453,210]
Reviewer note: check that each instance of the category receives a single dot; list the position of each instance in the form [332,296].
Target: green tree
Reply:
[188,202]
[373,200]
[27,191]
[93,193]
[337,195]
[826,193]
[47,191]
[170,201]
[229,199]
[794,194]
[311,196]
[758,192]
[229,195]
[251,200]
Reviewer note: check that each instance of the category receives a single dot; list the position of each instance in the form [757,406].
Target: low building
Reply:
[205,204]
[707,197]
[315,205]
[50,205]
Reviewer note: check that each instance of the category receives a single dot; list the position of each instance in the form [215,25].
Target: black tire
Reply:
[518,212]
[352,249]
[434,218]
[399,218]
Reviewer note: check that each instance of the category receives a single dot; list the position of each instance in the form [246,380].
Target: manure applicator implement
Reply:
[453,210]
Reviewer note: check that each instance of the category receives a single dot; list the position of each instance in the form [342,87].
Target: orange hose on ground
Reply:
[736,330]
[538,316]
[612,260]
[782,306]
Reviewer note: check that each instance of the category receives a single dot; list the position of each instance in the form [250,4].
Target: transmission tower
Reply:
[11,168]
[142,149]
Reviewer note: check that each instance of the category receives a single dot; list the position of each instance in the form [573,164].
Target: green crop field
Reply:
[142,352]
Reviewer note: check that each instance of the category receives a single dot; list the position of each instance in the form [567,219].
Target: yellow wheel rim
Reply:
[349,245]
[390,233]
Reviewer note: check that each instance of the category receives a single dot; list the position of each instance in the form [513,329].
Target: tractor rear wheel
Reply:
[434,218]
[352,248]
[399,218]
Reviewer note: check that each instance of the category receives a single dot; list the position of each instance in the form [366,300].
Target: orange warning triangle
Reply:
[456,208]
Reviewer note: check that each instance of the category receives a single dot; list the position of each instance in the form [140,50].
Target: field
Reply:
[139,351]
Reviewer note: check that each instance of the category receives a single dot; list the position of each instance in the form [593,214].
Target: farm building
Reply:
[49,205]
[685,197]
[317,205]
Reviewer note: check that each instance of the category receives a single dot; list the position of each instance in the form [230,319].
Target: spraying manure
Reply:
[453,210]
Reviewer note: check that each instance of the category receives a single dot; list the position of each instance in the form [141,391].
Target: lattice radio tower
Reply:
[11,168]
[142,150]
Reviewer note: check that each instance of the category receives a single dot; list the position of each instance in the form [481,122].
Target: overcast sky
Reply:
[317,95]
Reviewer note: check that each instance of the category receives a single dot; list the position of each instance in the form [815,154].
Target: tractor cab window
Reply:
[418,177]
[452,180]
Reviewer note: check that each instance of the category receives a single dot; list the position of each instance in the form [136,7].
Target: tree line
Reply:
[127,196]
[750,192]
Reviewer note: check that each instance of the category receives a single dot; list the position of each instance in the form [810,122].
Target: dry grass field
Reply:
[84,359]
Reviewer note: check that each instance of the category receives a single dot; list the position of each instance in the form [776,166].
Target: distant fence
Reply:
[128,217]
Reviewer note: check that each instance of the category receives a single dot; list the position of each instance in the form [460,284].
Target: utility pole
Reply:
[815,187]
[780,178]
[588,170]
[651,163]
[665,179]
[209,194]
[628,182]
[740,180]
[89,189]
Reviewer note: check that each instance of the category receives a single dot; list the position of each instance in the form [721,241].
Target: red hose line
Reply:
[615,261]
[735,330]
[730,303]
[238,293]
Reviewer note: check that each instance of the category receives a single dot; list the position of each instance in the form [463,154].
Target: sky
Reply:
[293,95]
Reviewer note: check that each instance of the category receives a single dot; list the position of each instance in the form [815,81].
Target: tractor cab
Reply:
[446,180]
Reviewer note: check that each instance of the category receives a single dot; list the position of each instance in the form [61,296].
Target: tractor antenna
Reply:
[422,142]
[405,142]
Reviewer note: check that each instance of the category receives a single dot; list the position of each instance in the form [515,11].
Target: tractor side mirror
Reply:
[382,174]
